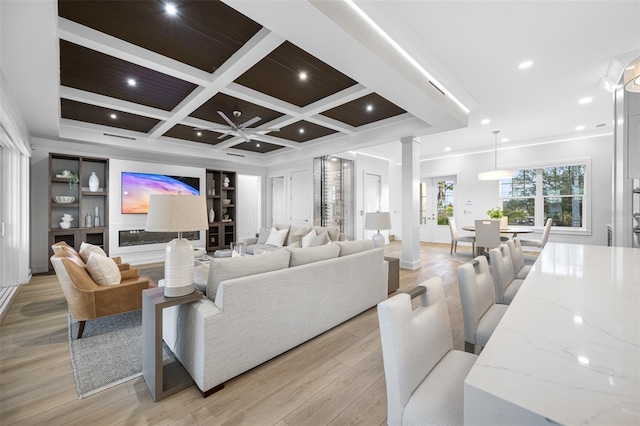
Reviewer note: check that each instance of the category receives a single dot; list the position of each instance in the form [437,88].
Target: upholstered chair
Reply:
[542,241]
[505,283]
[487,234]
[424,375]
[455,237]
[480,312]
[86,299]
[517,258]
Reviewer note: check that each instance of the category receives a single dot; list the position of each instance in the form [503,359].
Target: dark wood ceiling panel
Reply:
[303,131]
[181,131]
[365,110]
[255,146]
[227,104]
[79,111]
[203,34]
[278,75]
[95,72]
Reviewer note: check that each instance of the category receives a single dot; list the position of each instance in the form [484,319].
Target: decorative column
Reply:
[410,203]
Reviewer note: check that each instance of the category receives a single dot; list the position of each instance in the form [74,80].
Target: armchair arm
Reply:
[123,297]
[128,274]
[249,241]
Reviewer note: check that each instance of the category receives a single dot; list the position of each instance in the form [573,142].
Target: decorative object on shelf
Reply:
[226,201]
[377,221]
[72,178]
[212,215]
[94,182]
[96,216]
[88,221]
[225,217]
[64,199]
[66,221]
[225,181]
[495,174]
[177,213]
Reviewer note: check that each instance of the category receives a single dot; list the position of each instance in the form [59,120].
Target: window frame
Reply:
[539,219]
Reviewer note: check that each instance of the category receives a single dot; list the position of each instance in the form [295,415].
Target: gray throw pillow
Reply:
[320,240]
[263,236]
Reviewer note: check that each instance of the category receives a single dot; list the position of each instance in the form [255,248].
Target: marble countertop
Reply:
[568,348]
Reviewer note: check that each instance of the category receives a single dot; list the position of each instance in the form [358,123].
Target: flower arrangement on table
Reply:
[495,213]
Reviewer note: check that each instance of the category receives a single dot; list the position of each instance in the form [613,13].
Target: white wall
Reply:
[249,211]
[483,195]
[365,164]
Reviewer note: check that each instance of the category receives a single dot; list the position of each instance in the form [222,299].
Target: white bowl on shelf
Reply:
[64,199]
[226,201]
[65,225]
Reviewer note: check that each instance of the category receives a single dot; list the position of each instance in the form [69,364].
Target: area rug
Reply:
[109,352]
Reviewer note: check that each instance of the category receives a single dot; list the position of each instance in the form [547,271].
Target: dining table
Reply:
[514,230]
[567,350]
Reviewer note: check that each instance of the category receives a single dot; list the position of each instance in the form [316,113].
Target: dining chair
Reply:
[505,283]
[487,234]
[542,241]
[517,258]
[455,238]
[480,313]
[424,375]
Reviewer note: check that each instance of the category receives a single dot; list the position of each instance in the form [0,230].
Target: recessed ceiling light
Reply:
[485,121]
[257,145]
[580,127]
[369,108]
[199,133]
[302,75]
[131,82]
[505,139]
[113,116]
[448,149]
[583,360]
[585,100]
[525,65]
[301,130]
[170,9]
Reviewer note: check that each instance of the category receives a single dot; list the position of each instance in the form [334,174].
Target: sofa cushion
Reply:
[86,249]
[352,247]
[200,275]
[103,271]
[296,233]
[260,248]
[263,235]
[222,269]
[320,240]
[334,232]
[306,240]
[302,256]
[277,237]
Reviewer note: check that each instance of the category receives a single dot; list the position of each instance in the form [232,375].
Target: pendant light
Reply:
[631,77]
[495,174]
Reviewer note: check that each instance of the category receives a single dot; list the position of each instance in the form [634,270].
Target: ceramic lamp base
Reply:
[178,268]
[378,240]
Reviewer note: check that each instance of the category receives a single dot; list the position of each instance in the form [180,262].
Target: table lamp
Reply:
[375,222]
[177,213]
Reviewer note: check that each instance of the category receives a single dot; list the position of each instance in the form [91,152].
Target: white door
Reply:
[278,203]
[4,261]
[372,199]
[249,201]
[301,198]
[436,203]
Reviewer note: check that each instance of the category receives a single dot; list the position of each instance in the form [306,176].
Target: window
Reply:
[445,201]
[558,191]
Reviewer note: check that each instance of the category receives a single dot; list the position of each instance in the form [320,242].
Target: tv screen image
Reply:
[138,187]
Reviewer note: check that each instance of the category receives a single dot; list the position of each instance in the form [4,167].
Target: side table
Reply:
[162,380]
[394,274]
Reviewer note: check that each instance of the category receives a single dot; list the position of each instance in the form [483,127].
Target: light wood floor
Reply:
[336,378]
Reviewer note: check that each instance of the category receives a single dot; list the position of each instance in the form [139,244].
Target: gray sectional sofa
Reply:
[257,307]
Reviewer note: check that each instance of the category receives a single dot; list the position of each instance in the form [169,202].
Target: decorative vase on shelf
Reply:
[225,181]
[96,217]
[212,215]
[94,182]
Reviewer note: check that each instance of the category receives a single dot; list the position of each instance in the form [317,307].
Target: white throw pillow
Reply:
[306,240]
[276,238]
[86,249]
[103,270]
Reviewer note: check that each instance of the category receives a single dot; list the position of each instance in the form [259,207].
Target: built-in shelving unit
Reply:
[221,197]
[86,204]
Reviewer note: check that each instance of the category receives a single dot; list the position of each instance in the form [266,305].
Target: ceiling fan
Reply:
[241,130]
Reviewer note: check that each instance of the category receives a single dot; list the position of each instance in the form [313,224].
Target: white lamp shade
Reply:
[377,221]
[495,175]
[631,76]
[177,213]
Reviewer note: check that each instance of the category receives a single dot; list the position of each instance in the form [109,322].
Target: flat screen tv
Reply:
[137,187]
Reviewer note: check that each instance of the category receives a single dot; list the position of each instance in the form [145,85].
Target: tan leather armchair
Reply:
[86,299]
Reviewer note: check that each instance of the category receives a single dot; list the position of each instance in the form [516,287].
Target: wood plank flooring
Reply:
[335,379]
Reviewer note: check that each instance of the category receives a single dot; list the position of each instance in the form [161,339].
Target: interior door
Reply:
[278,201]
[436,203]
[372,199]
[249,199]
[301,198]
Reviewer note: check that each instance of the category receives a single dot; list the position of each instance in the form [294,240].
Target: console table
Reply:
[393,282]
[162,380]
